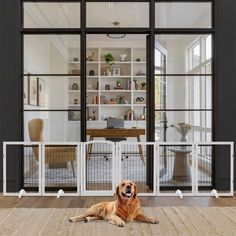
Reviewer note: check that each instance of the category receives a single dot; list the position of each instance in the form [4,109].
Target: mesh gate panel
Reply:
[137,165]
[60,170]
[175,168]
[24,173]
[213,160]
[99,159]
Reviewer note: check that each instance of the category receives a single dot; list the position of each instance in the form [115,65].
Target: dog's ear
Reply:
[117,192]
[135,191]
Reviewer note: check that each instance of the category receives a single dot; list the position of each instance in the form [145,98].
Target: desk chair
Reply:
[55,156]
[114,123]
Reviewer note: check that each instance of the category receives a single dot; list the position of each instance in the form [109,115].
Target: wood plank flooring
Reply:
[84,202]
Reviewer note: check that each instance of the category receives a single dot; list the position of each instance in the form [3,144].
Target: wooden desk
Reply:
[116,133]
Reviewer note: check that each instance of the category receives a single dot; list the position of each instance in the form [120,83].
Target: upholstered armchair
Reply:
[55,156]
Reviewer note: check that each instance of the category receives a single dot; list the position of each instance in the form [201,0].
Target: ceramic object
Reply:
[122,57]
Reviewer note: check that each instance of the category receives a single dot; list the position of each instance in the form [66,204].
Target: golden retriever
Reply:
[125,208]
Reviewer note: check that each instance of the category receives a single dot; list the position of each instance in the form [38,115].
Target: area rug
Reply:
[173,221]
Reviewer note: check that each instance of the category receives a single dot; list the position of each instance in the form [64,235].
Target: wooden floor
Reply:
[84,202]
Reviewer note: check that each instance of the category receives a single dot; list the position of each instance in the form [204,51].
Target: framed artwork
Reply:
[116,71]
[33,91]
[26,90]
[41,91]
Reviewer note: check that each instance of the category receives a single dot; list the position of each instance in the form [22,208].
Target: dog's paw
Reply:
[120,223]
[71,220]
[154,221]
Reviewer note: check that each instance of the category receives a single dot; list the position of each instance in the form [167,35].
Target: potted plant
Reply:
[109,62]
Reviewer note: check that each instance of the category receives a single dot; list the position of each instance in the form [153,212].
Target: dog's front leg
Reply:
[144,218]
[116,220]
[93,212]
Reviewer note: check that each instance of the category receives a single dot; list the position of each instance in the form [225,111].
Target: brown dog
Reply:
[125,208]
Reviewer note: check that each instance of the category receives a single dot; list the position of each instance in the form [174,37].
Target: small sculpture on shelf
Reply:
[90,57]
[107,87]
[91,73]
[94,117]
[143,85]
[120,99]
[140,73]
[75,101]
[75,86]
[139,100]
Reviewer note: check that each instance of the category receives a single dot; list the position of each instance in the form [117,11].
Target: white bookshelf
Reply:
[99,98]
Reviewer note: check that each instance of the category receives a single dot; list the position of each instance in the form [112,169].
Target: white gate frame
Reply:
[28,194]
[84,191]
[231,191]
[159,193]
[116,168]
[78,145]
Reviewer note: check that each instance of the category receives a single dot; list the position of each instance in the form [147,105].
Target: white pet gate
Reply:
[95,168]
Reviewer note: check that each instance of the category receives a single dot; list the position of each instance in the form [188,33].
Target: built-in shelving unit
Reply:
[121,94]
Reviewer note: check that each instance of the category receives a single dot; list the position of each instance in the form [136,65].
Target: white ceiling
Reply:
[103,14]
[67,15]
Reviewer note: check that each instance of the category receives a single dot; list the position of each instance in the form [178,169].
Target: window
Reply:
[200,87]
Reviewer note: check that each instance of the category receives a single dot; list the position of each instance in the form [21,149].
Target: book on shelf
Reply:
[95,100]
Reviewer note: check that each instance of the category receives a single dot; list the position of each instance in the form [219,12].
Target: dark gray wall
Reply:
[10,104]
[225,97]
[10,59]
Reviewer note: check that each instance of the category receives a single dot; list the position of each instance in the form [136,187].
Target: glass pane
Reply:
[56,126]
[116,14]
[116,82]
[208,47]
[183,92]
[52,54]
[183,15]
[183,54]
[51,15]
[176,126]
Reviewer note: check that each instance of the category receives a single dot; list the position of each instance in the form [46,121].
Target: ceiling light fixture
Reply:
[116,36]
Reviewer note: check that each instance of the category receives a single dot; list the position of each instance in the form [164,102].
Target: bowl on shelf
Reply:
[75,71]
[122,57]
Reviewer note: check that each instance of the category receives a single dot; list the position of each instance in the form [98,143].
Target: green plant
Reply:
[109,60]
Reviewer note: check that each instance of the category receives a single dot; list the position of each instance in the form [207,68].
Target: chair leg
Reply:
[73,169]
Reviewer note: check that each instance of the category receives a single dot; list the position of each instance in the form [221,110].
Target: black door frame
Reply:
[151,31]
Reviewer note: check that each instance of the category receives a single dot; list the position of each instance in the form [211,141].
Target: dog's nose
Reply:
[128,189]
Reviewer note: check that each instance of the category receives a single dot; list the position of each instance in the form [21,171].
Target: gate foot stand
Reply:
[215,193]
[21,193]
[179,193]
[60,193]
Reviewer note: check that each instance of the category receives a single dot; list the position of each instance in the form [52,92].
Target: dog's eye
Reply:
[131,184]
[123,184]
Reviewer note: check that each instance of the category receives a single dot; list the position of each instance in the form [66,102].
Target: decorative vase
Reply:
[107,71]
[183,138]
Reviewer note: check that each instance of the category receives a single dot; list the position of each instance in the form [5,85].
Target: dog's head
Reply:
[126,190]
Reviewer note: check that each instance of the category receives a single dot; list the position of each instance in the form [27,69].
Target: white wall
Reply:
[42,57]
[36,59]
[57,95]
